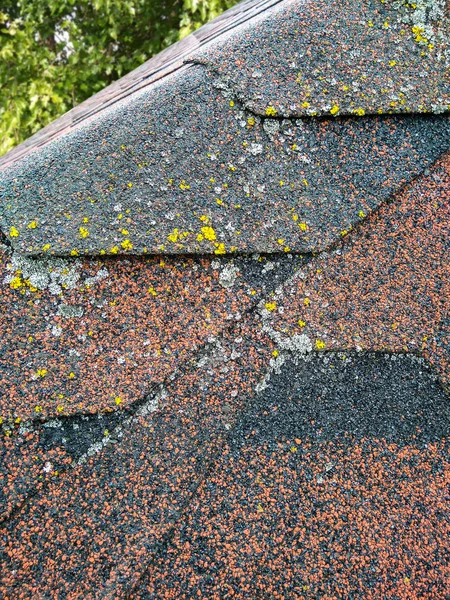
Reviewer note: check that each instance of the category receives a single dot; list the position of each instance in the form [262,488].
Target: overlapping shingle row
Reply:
[333,484]
[182,426]
[340,57]
[388,286]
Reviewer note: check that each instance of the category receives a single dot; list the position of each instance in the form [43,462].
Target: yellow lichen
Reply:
[220,249]
[270,306]
[152,291]
[209,233]
[13,232]
[16,282]
[127,245]
[32,225]
[334,110]
[271,111]
[46,247]
[84,232]
[31,287]
[173,237]
[320,345]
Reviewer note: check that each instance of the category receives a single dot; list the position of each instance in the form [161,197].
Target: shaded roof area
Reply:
[188,173]
[266,417]
[188,164]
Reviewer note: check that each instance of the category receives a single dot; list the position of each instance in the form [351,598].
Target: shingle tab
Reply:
[82,336]
[339,57]
[387,287]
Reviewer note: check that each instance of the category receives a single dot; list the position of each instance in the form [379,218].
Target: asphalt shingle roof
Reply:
[225,324]
[284,512]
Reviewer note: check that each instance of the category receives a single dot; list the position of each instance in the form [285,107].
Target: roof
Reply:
[224,290]
[197,159]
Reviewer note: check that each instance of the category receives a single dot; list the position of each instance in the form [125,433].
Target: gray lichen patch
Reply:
[228,276]
[68,311]
[52,274]
[430,24]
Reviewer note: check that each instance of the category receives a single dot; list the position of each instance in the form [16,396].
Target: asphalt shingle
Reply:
[332,485]
[339,57]
[181,168]
[271,424]
[77,355]
[114,327]
[90,531]
[388,285]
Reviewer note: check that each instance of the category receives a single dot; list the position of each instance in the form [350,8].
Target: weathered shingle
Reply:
[189,164]
[340,57]
[179,426]
[183,169]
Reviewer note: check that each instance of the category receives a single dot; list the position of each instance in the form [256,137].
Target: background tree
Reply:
[56,53]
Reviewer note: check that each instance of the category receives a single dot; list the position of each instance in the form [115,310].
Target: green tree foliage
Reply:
[56,53]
